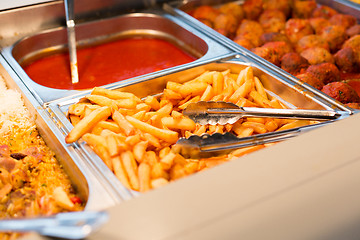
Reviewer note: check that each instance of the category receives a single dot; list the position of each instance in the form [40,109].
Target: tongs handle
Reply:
[219,144]
[279,113]
[74,225]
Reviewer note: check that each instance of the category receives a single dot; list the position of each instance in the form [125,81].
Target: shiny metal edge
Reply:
[59,107]
[44,94]
[99,195]
[175,9]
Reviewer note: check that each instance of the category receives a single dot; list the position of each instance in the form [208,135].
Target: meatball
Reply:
[354,44]
[206,12]
[354,30]
[268,54]
[325,72]
[233,9]
[282,5]
[346,60]
[311,80]
[226,24]
[293,63]
[316,55]
[303,9]
[310,41]
[318,24]
[297,28]
[244,42]
[273,37]
[250,30]
[323,12]
[343,20]
[342,92]
[353,105]
[272,20]
[252,9]
[335,35]
[281,48]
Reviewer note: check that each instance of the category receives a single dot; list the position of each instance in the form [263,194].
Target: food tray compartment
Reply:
[156,24]
[85,181]
[293,96]
[182,9]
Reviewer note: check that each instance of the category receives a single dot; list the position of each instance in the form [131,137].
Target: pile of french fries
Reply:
[134,136]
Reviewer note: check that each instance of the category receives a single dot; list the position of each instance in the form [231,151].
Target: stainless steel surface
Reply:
[292,96]
[155,23]
[85,180]
[70,27]
[226,112]
[217,144]
[74,225]
[179,8]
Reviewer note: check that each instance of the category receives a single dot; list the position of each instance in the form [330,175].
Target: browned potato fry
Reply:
[120,171]
[114,94]
[178,123]
[140,150]
[126,127]
[128,160]
[99,146]
[166,135]
[153,102]
[87,123]
[102,101]
[144,177]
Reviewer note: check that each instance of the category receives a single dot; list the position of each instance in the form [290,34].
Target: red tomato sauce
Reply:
[107,63]
[355,84]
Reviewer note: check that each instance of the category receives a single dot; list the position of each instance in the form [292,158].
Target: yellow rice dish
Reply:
[32,182]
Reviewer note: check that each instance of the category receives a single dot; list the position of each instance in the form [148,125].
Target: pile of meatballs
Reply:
[317,44]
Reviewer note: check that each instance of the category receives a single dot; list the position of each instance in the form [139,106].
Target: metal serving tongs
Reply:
[224,112]
[217,144]
[72,225]
[70,24]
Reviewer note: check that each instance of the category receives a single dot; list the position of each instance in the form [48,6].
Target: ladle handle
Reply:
[70,24]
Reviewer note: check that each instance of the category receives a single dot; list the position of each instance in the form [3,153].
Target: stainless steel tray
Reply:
[156,23]
[85,180]
[291,94]
[179,8]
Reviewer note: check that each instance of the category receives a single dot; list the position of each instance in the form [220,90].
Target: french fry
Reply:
[168,160]
[208,94]
[263,102]
[193,100]
[74,119]
[126,127]
[150,158]
[128,103]
[78,108]
[127,159]
[153,102]
[120,171]
[152,140]
[114,94]
[139,150]
[110,125]
[157,171]
[144,177]
[193,89]
[178,123]
[242,91]
[173,86]
[170,94]
[258,127]
[260,88]
[159,182]
[218,82]
[103,101]
[99,147]
[87,123]
[166,135]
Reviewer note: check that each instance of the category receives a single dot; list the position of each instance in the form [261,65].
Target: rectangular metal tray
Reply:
[87,182]
[179,9]
[290,94]
[155,23]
